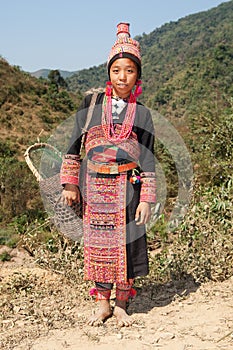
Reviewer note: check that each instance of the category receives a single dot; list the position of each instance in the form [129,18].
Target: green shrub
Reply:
[5,256]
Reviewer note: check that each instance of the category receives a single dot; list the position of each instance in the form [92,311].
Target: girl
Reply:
[119,183]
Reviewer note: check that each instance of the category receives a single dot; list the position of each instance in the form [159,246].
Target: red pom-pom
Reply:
[92,292]
[133,293]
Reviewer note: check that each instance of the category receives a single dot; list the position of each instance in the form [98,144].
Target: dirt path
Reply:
[176,316]
[198,321]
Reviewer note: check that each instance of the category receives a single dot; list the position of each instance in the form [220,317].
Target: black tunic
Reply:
[136,248]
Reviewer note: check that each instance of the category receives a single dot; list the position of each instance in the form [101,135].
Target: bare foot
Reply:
[102,314]
[123,319]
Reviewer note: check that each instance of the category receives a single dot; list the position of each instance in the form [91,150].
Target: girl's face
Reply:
[123,76]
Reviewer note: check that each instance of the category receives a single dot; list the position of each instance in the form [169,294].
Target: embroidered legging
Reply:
[123,290]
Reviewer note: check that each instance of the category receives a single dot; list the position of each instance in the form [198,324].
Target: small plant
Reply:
[9,237]
[5,256]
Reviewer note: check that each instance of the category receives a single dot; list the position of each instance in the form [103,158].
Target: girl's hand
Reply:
[143,213]
[71,194]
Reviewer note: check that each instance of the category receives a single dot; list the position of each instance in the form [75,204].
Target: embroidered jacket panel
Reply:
[139,147]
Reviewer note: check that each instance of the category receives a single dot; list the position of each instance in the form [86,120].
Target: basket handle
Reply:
[33,147]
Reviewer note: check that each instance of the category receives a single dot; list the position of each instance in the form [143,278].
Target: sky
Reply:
[72,34]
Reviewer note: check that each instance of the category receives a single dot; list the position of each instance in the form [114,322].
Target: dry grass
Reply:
[39,293]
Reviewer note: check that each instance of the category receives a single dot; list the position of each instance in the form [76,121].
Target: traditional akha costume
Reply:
[119,174]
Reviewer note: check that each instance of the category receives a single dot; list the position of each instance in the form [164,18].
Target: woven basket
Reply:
[68,219]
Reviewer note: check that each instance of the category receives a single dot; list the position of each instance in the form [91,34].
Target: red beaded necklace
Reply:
[107,121]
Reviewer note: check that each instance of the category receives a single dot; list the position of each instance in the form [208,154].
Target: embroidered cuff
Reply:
[124,292]
[101,294]
[70,170]
[148,187]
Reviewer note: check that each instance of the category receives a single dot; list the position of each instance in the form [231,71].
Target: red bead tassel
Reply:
[108,90]
[138,89]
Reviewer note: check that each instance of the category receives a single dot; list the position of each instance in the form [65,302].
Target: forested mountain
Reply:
[184,63]
[189,61]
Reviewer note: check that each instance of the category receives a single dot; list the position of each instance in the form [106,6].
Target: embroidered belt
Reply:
[112,168]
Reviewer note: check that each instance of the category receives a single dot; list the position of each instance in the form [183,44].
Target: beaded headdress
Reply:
[125,47]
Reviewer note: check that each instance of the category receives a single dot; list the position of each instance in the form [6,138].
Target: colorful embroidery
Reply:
[70,169]
[105,229]
[106,154]
[148,187]
[96,138]
[100,293]
[124,291]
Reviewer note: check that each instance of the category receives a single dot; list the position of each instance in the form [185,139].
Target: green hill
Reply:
[43,73]
[29,108]
[193,54]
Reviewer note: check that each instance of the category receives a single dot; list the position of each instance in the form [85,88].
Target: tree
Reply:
[56,79]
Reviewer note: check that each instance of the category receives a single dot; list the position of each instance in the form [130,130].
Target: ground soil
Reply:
[39,311]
